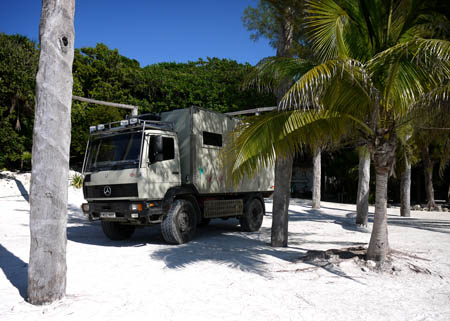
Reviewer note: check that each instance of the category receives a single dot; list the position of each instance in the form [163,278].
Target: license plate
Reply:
[107,214]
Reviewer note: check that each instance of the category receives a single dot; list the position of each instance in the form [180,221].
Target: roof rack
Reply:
[132,123]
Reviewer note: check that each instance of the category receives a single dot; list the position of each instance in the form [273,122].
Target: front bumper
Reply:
[123,211]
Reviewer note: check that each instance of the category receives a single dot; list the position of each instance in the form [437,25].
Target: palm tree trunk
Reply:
[283,166]
[379,244]
[362,198]
[405,191]
[283,173]
[384,156]
[428,171]
[317,164]
[50,158]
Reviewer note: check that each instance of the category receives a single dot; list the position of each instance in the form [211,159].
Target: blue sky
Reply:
[151,31]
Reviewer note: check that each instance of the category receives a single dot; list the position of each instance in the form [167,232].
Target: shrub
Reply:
[76,180]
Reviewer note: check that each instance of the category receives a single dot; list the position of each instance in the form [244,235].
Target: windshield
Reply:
[114,152]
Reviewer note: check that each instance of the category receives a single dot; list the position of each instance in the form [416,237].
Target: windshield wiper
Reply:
[125,164]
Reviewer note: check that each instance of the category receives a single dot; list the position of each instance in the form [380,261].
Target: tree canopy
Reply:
[104,74]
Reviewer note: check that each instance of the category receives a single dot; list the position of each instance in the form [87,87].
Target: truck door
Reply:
[163,166]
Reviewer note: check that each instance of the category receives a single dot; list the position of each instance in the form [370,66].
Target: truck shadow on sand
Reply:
[81,230]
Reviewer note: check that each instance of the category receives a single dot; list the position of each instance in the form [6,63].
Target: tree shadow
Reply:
[15,270]
[348,222]
[439,226]
[23,190]
[224,243]
[313,215]
[221,242]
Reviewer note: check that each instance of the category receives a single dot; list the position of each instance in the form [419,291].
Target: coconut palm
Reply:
[378,68]
[50,161]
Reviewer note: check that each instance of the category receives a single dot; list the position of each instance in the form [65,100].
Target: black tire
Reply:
[179,225]
[116,231]
[253,216]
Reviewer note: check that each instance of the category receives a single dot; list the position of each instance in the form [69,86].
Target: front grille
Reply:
[117,190]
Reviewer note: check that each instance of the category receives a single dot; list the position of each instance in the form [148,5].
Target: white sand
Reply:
[226,274]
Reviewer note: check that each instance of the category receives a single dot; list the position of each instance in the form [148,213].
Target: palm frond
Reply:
[267,75]
[278,134]
[404,71]
[308,91]
[325,24]
[430,54]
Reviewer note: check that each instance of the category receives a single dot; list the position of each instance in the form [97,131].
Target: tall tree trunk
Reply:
[384,156]
[283,166]
[50,161]
[405,191]
[428,171]
[317,173]
[283,173]
[362,198]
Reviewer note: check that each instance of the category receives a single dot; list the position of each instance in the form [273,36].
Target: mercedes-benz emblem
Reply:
[107,190]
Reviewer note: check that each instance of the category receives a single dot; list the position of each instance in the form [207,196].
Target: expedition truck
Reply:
[164,169]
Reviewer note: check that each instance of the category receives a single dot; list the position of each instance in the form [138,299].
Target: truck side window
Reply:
[212,139]
[161,149]
[168,148]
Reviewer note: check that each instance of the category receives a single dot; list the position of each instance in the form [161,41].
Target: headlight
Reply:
[85,207]
[135,207]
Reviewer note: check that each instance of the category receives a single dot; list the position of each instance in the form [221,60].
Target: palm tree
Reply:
[433,137]
[377,69]
[405,158]
[50,158]
[281,26]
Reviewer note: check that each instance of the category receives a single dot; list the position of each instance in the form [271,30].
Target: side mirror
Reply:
[155,149]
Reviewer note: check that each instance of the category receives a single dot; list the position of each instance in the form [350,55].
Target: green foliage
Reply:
[18,67]
[264,20]
[213,84]
[261,21]
[76,180]
[102,73]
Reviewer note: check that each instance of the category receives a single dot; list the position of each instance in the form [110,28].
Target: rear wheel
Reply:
[253,216]
[116,231]
[180,223]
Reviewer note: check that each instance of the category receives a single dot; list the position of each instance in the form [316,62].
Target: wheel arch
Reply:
[185,192]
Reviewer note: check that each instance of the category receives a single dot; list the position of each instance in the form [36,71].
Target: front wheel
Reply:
[253,216]
[179,225]
[117,232]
